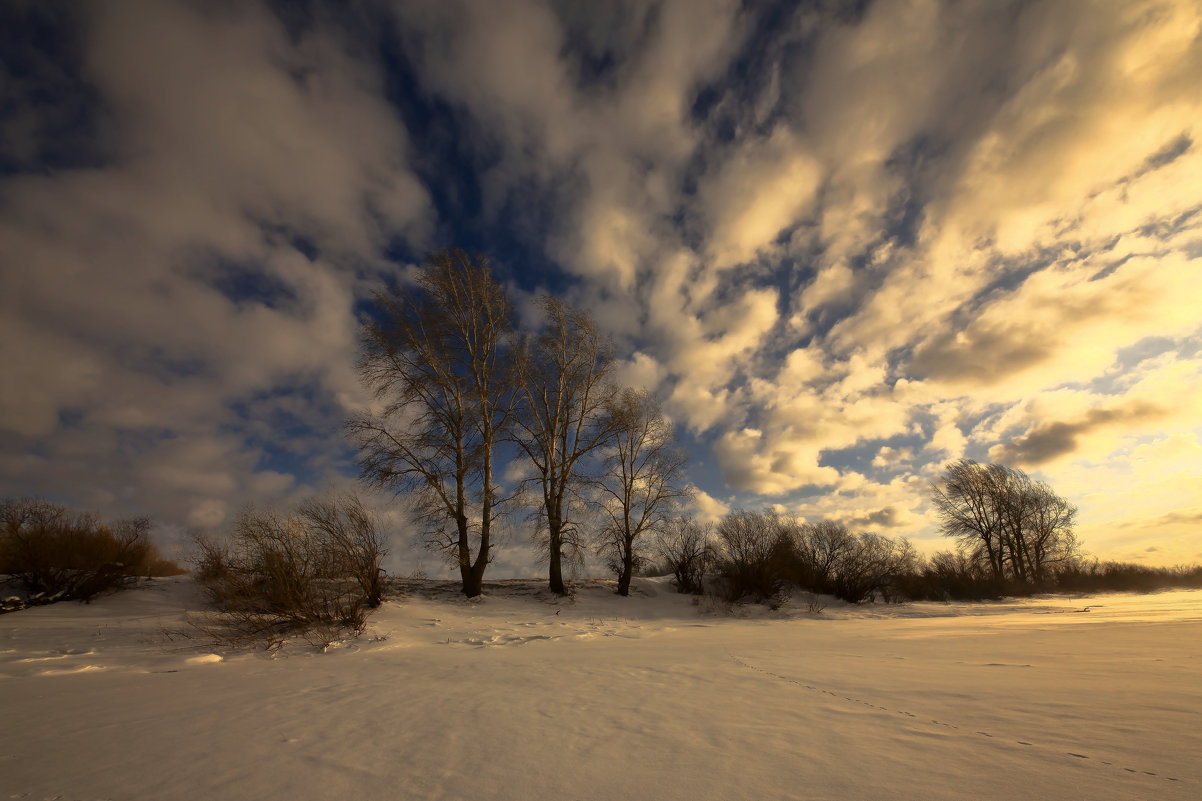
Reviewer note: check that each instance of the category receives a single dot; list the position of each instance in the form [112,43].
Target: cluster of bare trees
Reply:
[1014,528]
[464,395]
[460,389]
[761,554]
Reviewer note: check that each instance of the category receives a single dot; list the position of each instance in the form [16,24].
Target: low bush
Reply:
[950,576]
[313,572]
[56,554]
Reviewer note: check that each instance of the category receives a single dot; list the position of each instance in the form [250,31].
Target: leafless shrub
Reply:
[814,603]
[314,572]
[56,554]
[828,558]
[756,550]
[687,549]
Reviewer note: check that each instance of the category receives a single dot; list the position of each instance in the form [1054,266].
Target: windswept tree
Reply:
[562,420]
[640,481]
[1014,526]
[435,355]
[1049,532]
[965,505]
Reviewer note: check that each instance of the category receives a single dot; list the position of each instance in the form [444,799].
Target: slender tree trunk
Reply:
[627,545]
[473,582]
[627,567]
[555,546]
[470,582]
[555,569]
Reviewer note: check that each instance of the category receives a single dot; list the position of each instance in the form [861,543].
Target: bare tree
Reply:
[821,547]
[755,552]
[1047,530]
[640,483]
[965,505]
[1006,520]
[435,357]
[872,565]
[566,391]
[688,548]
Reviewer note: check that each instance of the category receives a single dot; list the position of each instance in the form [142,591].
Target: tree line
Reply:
[459,388]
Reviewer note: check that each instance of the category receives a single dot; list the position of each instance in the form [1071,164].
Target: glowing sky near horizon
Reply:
[845,243]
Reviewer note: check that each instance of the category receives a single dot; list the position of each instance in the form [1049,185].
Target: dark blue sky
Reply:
[843,242]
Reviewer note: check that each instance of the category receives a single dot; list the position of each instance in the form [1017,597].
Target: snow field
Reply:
[612,698]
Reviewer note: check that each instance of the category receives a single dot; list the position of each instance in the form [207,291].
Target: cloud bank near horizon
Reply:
[845,244]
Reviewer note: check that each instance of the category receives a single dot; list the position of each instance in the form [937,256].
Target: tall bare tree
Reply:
[640,482]
[566,390]
[435,355]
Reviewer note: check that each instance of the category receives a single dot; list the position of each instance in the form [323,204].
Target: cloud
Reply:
[708,508]
[841,247]
[193,283]
[886,518]
[1050,440]
[760,190]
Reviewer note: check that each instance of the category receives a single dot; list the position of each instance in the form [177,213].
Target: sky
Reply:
[846,243]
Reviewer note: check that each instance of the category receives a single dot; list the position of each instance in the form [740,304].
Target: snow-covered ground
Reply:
[521,696]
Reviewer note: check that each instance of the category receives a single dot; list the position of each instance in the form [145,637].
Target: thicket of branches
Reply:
[56,554]
[762,555]
[314,572]
[687,550]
